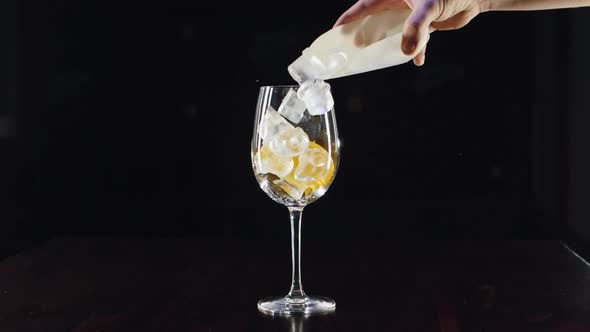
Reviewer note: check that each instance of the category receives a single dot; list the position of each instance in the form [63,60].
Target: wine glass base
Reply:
[307,305]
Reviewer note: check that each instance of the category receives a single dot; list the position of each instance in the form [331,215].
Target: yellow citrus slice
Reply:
[312,169]
[268,162]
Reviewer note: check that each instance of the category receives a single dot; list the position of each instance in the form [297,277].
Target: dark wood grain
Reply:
[117,284]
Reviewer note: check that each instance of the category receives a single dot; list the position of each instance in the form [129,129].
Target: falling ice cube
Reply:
[266,161]
[292,107]
[317,96]
[289,143]
[272,124]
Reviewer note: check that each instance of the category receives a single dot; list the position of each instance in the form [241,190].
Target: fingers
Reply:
[360,9]
[417,25]
[420,58]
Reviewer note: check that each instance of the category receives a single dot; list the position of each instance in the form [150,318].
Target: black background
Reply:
[135,118]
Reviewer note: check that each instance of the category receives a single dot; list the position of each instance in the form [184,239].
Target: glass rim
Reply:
[280,86]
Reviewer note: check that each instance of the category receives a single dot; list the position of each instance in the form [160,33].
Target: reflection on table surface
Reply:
[126,284]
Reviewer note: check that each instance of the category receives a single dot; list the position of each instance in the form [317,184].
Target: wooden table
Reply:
[124,284]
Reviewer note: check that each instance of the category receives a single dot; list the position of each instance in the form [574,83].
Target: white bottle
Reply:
[370,43]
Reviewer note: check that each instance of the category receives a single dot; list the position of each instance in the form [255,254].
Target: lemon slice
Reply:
[312,169]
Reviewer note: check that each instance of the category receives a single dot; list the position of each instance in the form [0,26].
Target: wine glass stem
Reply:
[296,285]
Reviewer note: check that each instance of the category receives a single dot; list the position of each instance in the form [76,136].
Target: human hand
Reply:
[426,16]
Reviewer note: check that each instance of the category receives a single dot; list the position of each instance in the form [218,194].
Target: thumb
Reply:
[417,25]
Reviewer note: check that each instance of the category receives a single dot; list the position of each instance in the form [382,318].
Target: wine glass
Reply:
[295,156]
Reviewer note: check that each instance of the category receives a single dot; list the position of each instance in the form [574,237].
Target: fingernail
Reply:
[408,46]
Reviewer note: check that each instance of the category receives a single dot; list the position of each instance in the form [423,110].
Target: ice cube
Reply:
[318,66]
[334,62]
[266,161]
[289,143]
[288,188]
[317,96]
[292,107]
[314,164]
[305,68]
[272,124]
